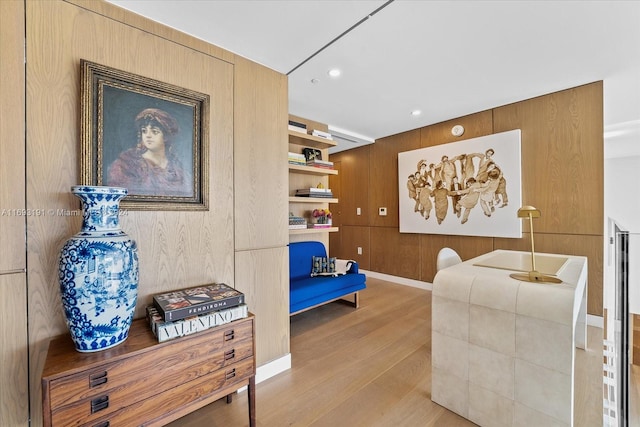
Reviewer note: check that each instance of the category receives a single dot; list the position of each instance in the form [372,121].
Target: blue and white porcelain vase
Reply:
[98,272]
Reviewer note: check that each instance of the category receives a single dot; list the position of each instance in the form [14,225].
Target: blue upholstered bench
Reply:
[307,292]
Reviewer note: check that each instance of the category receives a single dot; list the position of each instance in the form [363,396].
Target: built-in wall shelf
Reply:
[295,199]
[307,177]
[312,170]
[313,230]
[307,140]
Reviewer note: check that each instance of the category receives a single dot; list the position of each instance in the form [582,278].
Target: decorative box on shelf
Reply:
[327,225]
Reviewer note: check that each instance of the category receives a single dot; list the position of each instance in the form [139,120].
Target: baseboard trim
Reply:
[273,368]
[400,280]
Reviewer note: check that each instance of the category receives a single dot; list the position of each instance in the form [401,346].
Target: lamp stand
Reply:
[532,276]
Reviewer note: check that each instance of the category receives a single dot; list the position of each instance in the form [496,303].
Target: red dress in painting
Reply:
[141,177]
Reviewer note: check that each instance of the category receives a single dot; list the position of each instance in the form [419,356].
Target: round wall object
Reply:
[457,130]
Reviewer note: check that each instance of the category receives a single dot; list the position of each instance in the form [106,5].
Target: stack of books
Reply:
[187,311]
[314,192]
[298,127]
[297,159]
[297,222]
[317,163]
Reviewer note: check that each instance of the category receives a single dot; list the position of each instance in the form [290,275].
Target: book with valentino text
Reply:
[165,331]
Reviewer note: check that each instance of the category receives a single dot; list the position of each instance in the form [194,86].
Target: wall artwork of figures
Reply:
[471,187]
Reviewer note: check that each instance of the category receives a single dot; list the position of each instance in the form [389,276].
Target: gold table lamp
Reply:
[533,276]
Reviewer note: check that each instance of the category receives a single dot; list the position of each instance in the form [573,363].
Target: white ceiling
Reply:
[445,58]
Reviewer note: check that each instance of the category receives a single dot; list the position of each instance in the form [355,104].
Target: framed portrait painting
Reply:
[470,188]
[144,135]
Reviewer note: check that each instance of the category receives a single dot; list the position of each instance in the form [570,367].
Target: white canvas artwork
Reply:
[471,187]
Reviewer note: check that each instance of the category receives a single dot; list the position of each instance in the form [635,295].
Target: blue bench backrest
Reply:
[300,254]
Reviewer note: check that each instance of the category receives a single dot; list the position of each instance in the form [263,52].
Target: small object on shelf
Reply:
[312,154]
[296,222]
[307,193]
[165,331]
[321,225]
[322,217]
[321,134]
[295,219]
[313,190]
[297,159]
[198,300]
[298,226]
[298,127]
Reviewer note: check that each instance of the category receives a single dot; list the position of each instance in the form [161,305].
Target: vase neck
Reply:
[104,217]
[100,207]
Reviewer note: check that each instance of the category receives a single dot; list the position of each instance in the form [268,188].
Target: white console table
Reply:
[503,350]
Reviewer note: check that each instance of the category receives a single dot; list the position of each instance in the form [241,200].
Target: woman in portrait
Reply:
[151,167]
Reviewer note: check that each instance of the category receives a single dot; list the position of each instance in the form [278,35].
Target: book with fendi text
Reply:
[195,301]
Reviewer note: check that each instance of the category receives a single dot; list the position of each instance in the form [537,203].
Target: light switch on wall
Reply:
[358,211]
[359,250]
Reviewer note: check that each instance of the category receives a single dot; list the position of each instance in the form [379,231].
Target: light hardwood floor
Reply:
[372,367]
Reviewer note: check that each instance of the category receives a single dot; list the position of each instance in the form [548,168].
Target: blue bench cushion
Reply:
[312,291]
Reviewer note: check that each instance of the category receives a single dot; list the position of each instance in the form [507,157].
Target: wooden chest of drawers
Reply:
[145,383]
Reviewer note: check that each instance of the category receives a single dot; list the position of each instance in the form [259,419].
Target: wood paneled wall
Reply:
[12,198]
[233,242]
[14,379]
[353,171]
[563,167]
[563,175]
[260,189]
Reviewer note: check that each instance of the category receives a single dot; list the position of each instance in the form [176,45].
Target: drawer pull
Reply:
[230,374]
[98,379]
[102,424]
[229,354]
[229,335]
[99,403]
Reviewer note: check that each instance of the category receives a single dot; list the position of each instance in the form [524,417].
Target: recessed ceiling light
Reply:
[334,72]
[416,113]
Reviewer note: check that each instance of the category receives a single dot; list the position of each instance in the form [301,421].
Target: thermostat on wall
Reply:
[457,130]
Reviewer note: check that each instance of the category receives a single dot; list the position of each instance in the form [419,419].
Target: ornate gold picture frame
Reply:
[145,135]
